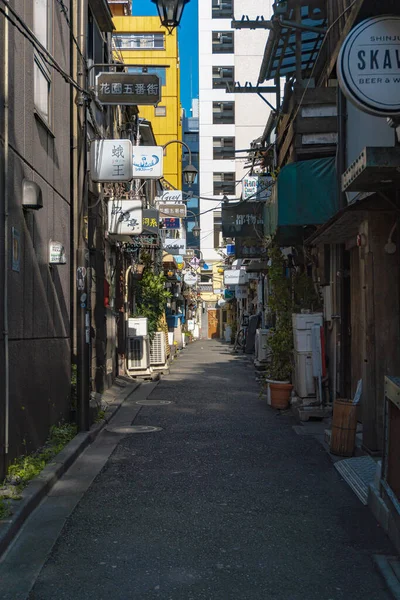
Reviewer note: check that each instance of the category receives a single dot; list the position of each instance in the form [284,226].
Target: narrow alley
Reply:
[224,501]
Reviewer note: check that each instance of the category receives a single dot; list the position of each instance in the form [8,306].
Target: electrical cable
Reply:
[64,11]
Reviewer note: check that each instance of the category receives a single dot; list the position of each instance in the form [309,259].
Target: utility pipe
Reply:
[6,249]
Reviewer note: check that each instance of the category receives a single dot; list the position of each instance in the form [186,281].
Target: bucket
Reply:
[344,427]
[280,395]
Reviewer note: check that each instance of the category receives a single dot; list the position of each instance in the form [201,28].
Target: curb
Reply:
[40,486]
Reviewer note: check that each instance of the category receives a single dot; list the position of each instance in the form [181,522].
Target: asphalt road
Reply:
[225,502]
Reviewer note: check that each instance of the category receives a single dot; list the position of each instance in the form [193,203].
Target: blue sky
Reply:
[188,47]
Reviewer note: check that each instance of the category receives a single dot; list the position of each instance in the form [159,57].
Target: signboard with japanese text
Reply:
[147,162]
[128,88]
[172,210]
[56,253]
[241,292]
[151,220]
[171,222]
[125,217]
[251,247]
[243,219]
[256,187]
[111,160]
[175,246]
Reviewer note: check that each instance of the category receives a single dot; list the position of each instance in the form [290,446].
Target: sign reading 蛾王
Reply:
[369,66]
[128,88]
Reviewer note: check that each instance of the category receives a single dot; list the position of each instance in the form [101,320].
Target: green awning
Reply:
[306,194]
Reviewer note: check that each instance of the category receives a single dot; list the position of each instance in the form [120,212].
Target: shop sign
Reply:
[250,248]
[242,219]
[147,162]
[111,160]
[190,279]
[56,253]
[369,66]
[172,210]
[128,88]
[171,223]
[235,277]
[151,220]
[241,292]
[171,196]
[175,246]
[256,187]
[125,217]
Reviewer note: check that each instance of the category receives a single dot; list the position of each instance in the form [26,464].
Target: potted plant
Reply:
[281,342]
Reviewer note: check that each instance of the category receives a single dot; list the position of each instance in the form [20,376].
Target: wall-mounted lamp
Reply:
[32,198]
[170,12]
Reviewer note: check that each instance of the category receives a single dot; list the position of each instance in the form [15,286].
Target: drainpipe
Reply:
[341,167]
[6,244]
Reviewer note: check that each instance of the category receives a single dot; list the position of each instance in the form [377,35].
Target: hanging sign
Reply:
[56,253]
[190,279]
[171,223]
[241,292]
[111,160]
[150,220]
[128,88]
[242,219]
[256,187]
[171,196]
[175,246]
[147,162]
[125,217]
[235,277]
[172,210]
[369,66]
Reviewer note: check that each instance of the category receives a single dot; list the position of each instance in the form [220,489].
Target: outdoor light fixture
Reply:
[196,231]
[189,174]
[170,12]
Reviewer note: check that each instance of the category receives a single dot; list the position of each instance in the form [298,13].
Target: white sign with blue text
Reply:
[147,162]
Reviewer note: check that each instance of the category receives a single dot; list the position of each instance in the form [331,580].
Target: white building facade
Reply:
[228,122]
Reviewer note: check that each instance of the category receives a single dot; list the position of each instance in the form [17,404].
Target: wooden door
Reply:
[213,324]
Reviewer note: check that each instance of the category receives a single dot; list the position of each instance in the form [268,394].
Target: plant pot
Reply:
[280,394]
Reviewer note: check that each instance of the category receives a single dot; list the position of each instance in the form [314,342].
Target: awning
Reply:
[345,224]
[168,259]
[306,194]
[280,51]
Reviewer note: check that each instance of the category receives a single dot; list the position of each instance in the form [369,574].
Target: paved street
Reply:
[225,502]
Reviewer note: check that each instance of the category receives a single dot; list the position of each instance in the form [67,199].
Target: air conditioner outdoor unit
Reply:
[262,347]
[138,352]
[157,350]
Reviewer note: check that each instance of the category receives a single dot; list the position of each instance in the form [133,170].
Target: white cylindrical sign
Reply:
[190,278]
[369,66]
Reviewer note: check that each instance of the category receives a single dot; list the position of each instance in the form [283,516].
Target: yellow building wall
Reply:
[169,127]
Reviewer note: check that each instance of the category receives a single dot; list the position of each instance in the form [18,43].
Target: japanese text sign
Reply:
[172,223]
[172,210]
[125,217]
[242,219]
[128,88]
[150,220]
[147,162]
[111,160]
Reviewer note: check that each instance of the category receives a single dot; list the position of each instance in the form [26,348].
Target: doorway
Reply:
[213,324]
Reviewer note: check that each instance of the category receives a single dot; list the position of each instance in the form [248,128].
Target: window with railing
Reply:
[223,78]
[223,113]
[140,41]
[222,9]
[223,147]
[223,42]
[224,183]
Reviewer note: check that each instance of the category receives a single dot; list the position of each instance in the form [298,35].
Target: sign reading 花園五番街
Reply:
[369,66]
[128,88]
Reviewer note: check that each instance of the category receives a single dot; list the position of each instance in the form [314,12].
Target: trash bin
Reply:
[344,427]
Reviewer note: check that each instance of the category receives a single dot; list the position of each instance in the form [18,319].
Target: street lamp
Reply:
[190,171]
[196,231]
[170,12]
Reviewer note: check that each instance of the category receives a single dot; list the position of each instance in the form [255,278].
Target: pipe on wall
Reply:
[6,241]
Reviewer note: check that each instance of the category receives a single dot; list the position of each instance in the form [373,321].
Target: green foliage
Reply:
[25,468]
[151,298]
[281,304]
[74,383]
[305,294]
[100,416]
[5,509]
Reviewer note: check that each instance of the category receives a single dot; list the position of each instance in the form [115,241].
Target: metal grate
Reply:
[138,353]
[157,351]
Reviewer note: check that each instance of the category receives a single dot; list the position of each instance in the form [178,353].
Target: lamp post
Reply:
[189,172]
[170,12]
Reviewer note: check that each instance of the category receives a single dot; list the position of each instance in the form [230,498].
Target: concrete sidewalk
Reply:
[224,501]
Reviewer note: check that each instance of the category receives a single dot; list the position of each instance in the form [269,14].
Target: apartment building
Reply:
[228,122]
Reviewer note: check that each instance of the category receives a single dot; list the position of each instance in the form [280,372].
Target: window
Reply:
[140,41]
[223,78]
[160,111]
[160,71]
[42,18]
[222,9]
[224,147]
[223,113]
[223,42]
[224,183]
[217,229]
